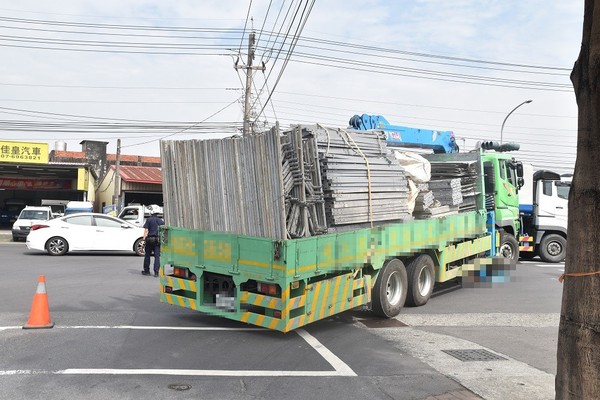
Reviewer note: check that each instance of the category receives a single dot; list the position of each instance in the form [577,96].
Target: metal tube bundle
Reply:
[307,181]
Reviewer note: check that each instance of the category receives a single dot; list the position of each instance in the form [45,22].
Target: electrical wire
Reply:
[244,30]
[183,130]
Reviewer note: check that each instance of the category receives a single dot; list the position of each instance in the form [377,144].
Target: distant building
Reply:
[140,176]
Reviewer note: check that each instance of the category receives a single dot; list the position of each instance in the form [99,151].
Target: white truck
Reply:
[543,206]
[137,213]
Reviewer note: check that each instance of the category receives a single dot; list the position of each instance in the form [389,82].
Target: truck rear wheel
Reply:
[390,289]
[553,248]
[421,278]
[509,247]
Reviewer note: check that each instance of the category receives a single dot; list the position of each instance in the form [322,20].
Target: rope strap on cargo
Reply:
[368,175]
[562,277]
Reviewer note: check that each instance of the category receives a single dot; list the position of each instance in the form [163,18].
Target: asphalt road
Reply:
[113,339]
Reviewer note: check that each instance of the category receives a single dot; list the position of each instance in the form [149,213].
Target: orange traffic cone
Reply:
[39,317]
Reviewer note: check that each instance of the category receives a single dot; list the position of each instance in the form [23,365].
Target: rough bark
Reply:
[578,355]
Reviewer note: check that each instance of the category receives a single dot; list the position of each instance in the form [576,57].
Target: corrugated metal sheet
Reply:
[141,187]
[133,174]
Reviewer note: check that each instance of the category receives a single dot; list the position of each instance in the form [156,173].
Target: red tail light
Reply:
[180,272]
[36,227]
[267,288]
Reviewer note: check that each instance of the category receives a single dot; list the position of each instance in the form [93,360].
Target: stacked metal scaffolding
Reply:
[226,185]
[302,188]
[307,181]
[362,181]
[466,173]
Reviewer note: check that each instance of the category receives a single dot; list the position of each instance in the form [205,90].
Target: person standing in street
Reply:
[152,243]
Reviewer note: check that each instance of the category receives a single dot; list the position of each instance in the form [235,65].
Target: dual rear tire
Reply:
[397,285]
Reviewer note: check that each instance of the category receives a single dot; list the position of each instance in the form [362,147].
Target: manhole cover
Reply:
[179,387]
[474,355]
[382,323]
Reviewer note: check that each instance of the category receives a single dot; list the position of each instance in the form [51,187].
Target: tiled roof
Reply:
[69,154]
[140,174]
[125,157]
[110,157]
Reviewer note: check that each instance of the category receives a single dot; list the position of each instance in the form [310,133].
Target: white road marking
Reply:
[331,358]
[340,368]
[177,372]
[4,328]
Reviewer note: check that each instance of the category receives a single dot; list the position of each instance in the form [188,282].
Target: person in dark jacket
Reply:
[152,246]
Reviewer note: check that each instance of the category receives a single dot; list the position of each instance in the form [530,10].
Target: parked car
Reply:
[86,232]
[29,216]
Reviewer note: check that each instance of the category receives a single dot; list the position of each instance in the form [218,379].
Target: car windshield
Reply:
[31,214]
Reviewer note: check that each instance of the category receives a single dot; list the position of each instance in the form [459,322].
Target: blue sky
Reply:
[476,39]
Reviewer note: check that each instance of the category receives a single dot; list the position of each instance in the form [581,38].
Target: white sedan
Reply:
[86,231]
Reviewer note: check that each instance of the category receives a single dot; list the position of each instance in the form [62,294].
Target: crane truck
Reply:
[543,209]
[286,284]
[507,180]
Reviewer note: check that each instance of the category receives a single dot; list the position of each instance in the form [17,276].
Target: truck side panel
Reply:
[307,279]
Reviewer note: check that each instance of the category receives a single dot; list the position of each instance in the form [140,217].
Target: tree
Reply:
[578,369]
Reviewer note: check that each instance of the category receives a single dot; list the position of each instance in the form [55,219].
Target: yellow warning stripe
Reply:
[179,283]
[336,289]
[262,264]
[179,300]
[324,298]
[261,300]
[345,293]
[317,288]
[182,251]
[245,317]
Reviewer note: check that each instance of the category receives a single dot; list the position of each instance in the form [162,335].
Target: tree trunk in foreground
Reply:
[578,355]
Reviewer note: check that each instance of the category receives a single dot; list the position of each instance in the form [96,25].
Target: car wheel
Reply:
[139,247]
[57,246]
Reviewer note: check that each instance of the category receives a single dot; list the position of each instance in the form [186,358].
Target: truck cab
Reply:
[544,214]
[503,180]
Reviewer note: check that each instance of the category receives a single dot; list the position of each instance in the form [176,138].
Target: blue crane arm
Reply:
[401,136]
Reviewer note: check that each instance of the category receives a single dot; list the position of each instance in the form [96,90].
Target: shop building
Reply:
[30,173]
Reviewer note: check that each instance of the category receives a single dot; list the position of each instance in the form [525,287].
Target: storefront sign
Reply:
[82,179]
[23,152]
[35,184]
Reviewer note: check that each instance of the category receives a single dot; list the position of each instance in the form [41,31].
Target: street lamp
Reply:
[502,129]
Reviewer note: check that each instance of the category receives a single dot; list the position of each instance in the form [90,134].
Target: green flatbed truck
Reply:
[285,284]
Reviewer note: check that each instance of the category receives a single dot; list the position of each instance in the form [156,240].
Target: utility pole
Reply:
[117,177]
[248,94]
